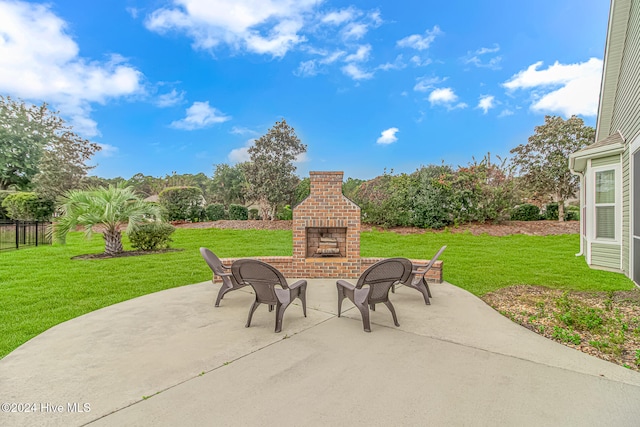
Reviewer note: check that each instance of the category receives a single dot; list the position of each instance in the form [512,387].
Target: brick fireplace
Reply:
[326,215]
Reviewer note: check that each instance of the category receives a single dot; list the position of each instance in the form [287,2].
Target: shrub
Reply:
[572,213]
[152,236]
[216,212]
[196,214]
[526,212]
[179,201]
[254,214]
[3,195]
[238,212]
[551,212]
[286,214]
[28,207]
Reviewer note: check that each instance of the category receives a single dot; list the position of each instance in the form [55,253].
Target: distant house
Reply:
[609,169]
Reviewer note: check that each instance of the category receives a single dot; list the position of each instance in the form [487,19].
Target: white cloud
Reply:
[340,16]
[307,68]
[107,150]
[419,62]
[505,113]
[355,31]
[481,58]
[361,55]
[301,158]
[486,103]
[446,97]
[239,155]
[388,136]
[397,64]
[356,73]
[200,115]
[419,42]
[236,130]
[426,83]
[565,89]
[170,99]
[39,61]
[134,12]
[264,27]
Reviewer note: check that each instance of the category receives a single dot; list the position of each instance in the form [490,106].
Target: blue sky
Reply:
[181,85]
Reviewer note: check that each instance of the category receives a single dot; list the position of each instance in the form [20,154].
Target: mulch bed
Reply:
[531,228]
[125,254]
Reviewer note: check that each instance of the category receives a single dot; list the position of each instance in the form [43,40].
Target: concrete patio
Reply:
[171,358]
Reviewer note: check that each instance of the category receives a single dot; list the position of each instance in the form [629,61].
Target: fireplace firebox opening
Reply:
[326,242]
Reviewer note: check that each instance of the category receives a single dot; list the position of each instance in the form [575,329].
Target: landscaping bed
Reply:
[602,324]
[530,228]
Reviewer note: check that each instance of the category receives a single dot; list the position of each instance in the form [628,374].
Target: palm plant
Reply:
[104,209]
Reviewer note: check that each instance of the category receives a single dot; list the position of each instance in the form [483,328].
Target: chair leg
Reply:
[372,307]
[393,312]
[303,298]
[223,290]
[340,298]
[251,311]
[425,293]
[364,311]
[426,285]
[393,288]
[280,308]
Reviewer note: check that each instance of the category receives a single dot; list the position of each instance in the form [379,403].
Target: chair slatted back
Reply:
[381,275]
[262,277]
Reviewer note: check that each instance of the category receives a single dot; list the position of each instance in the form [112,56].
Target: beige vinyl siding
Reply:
[626,212]
[615,47]
[626,111]
[605,255]
[605,161]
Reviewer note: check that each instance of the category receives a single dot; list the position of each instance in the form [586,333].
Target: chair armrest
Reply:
[419,265]
[223,274]
[226,267]
[297,284]
[345,284]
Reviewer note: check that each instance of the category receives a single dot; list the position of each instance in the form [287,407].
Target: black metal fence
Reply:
[16,234]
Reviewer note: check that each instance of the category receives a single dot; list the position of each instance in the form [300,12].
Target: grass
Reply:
[41,287]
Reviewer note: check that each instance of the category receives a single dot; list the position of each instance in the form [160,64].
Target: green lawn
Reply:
[41,287]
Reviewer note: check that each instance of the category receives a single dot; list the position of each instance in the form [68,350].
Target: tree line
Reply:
[40,155]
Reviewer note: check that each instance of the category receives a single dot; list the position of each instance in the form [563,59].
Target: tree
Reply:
[270,173]
[229,186]
[543,161]
[146,185]
[104,208]
[63,165]
[38,149]
[23,133]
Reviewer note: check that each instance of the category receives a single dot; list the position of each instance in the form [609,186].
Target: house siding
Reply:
[605,161]
[616,39]
[604,255]
[626,110]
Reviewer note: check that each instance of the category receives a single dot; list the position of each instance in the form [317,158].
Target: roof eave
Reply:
[578,160]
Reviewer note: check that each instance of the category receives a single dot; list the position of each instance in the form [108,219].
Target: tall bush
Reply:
[216,212]
[432,197]
[526,212]
[179,203]
[238,212]
[28,207]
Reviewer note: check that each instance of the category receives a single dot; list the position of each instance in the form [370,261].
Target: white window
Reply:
[605,204]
